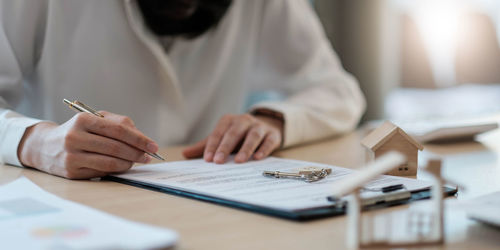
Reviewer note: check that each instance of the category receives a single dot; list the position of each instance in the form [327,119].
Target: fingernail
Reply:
[208,156]
[152,147]
[259,155]
[219,157]
[241,157]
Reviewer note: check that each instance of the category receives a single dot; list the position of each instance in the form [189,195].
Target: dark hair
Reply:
[207,15]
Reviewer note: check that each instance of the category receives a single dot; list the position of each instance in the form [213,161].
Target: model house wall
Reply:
[389,137]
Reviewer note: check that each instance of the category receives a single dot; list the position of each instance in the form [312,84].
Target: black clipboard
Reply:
[297,215]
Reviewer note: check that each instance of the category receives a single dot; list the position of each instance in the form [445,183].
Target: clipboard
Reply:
[296,215]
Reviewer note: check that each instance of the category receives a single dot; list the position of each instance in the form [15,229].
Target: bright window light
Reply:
[438,23]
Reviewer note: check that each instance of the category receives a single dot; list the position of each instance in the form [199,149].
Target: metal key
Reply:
[315,170]
[309,175]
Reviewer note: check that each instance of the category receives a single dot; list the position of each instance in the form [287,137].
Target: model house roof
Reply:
[385,132]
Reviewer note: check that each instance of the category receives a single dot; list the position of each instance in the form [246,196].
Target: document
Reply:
[484,208]
[244,183]
[31,218]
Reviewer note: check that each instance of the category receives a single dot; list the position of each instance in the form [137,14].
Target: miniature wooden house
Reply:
[395,229]
[390,137]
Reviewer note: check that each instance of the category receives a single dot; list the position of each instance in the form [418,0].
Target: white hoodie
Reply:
[101,53]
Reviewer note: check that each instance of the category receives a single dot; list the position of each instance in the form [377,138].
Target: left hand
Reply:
[258,136]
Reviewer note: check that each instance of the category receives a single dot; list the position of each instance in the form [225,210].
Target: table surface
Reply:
[203,225]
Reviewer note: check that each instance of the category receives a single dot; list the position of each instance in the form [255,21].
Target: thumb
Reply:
[195,150]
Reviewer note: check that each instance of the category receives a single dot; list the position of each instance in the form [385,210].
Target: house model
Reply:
[437,228]
[390,137]
[396,229]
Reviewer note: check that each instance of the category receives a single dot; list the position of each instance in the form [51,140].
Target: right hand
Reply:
[86,146]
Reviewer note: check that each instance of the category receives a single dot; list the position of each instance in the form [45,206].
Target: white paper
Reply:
[245,182]
[484,208]
[31,218]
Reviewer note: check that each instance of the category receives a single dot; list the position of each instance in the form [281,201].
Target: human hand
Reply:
[258,136]
[85,146]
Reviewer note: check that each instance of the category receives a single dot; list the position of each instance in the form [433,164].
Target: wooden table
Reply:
[203,225]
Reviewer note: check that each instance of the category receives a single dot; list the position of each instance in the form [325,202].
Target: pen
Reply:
[80,107]
[386,189]
[387,198]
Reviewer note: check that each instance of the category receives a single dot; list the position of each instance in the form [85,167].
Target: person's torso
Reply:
[99,52]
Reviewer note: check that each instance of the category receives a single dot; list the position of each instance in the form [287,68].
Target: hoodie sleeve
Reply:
[21,32]
[295,58]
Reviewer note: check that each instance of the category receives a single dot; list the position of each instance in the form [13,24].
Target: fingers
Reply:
[235,130]
[85,173]
[103,145]
[271,142]
[230,140]
[98,162]
[253,138]
[118,131]
[215,138]
[120,119]
[82,165]
[195,150]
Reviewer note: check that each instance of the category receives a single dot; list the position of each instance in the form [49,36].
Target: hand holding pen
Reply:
[86,146]
[80,107]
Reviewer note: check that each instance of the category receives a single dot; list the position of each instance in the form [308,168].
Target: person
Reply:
[181,70]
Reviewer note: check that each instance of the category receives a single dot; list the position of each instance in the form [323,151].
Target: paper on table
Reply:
[31,218]
[484,208]
[245,183]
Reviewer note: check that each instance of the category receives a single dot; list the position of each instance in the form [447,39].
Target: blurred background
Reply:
[419,59]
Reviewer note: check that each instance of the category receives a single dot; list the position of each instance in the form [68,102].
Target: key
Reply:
[279,174]
[316,173]
[309,174]
[315,170]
